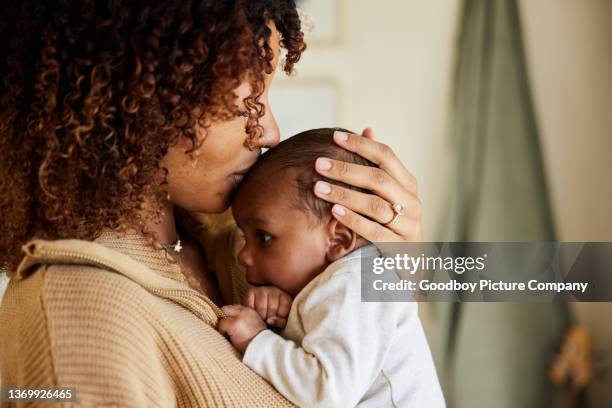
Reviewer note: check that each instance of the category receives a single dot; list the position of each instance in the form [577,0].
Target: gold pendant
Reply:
[178,246]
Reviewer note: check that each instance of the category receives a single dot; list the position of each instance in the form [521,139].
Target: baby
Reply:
[334,351]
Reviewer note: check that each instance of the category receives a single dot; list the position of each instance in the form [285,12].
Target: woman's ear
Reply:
[342,240]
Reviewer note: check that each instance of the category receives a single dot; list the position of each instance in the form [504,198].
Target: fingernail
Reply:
[322,187]
[270,321]
[341,136]
[324,164]
[339,210]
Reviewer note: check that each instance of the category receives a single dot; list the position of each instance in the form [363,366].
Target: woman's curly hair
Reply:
[93,93]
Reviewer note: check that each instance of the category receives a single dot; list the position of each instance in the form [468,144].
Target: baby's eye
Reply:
[242,114]
[263,238]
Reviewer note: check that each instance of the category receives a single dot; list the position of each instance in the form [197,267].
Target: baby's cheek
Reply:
[280,271]
[303,270]
[273,269]
[292,282]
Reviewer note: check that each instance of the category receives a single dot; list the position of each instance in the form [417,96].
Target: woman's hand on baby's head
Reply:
[241,324]
[271,303]
[373,216]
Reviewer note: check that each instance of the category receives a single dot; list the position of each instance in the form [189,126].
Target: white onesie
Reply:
[337,351]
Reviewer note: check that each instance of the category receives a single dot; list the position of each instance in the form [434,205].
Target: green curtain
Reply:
[495,354]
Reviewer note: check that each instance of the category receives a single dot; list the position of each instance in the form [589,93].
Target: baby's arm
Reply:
[342,352]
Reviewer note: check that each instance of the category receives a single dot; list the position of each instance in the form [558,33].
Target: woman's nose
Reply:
[271,133]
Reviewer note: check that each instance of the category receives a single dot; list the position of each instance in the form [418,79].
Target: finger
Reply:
[376,208]
[369,178]
[369,205]
[276,321]
[368,229]
[273,302]
[284,307]
[261,304]
[249,298]
[378,153]
[369,133]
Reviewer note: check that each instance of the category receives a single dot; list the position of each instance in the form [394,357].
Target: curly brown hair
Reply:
[94,92]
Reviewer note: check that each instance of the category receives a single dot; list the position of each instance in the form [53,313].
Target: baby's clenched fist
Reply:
[271,303]
[241,324]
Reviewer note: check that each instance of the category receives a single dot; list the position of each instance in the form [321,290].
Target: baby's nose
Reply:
[244,257]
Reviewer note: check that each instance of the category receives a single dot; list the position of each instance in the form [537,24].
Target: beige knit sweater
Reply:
[114,319]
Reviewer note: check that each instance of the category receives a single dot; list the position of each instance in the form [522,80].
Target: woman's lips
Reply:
[235,179]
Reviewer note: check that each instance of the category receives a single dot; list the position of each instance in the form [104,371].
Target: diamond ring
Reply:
[398,210]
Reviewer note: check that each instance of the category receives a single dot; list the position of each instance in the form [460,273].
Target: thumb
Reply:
[276,321]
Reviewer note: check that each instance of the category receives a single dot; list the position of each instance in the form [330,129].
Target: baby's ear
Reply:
[342,240]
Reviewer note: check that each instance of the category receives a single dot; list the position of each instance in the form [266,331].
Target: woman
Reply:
[115,117]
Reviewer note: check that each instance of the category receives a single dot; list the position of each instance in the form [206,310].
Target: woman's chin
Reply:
[211,202]
[224,206]
[213,205]
[217,208]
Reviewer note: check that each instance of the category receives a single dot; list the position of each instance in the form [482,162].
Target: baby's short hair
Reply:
[299,154]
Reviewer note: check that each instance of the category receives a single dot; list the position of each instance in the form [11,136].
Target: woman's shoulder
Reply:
[71,297]
[56,303]
[70,267]
[91,284]
[80,322]
[108,274]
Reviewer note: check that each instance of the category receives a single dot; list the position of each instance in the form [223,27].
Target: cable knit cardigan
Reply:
[119,323]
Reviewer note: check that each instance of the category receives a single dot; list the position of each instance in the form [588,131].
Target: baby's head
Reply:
[290,233]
